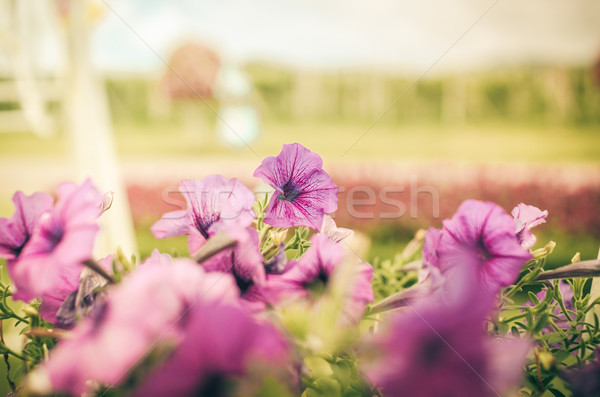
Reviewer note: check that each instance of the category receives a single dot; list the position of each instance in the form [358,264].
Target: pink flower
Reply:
[212,203]
[219,344]
[218,204]
[245,263]
[478,248]
[432,240]
[312,274]
[149,308]
[337,234]
[16,231]
[304,193]
[527,217]
[434,350]
[50,263]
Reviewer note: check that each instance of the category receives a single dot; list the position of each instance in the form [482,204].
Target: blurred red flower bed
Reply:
[365,201]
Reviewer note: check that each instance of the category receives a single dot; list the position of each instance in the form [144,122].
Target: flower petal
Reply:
[174,223]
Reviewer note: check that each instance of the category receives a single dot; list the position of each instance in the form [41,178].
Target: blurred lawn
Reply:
[500,143]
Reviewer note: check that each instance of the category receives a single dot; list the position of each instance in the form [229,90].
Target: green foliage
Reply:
[273,239]
[564,338]
[528,93]
[391,276]
[336,376]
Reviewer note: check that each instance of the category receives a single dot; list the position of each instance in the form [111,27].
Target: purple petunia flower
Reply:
[51,262]
[212,203]
[245,263]
[435,350]
[150,307]
[220,344]
[16,231]
[526,217]
[304,192]
[432,241]
[312,274]
[478,248]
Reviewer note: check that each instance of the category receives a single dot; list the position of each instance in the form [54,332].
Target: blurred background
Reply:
[414,106]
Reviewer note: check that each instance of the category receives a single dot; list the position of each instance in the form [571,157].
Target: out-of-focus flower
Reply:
[218,204]
[244,262]
[478,248]
[312,274]
[148,308]
[304,192]
[527,217]
[430,287]
[82,302]
[585,381]
[278,263]
[16,231]
[432,240]
[213,203]
[337,234]
[220,343]
[51,262]
[433,350]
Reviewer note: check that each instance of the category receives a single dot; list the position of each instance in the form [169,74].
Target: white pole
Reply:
[89,127]
[30,98]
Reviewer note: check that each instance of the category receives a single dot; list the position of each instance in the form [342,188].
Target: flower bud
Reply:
[542,252]
[107,201]
[547,360]
[31,311]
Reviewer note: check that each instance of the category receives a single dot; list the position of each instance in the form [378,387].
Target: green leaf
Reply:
[541,323]
[342,370]
[273,388]
[556,392]
[561,355]
[533,297]
[324,387]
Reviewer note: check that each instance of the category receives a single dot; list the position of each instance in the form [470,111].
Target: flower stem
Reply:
[579,269]
[93,265]
[10,382]
[401,298]
[213,246]
[51,333]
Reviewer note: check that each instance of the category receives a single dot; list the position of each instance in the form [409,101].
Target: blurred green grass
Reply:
[481,143]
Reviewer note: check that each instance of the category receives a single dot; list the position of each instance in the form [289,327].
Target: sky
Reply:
[385,34]
[432,36]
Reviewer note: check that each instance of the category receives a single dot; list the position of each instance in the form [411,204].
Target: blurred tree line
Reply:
[526,94]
